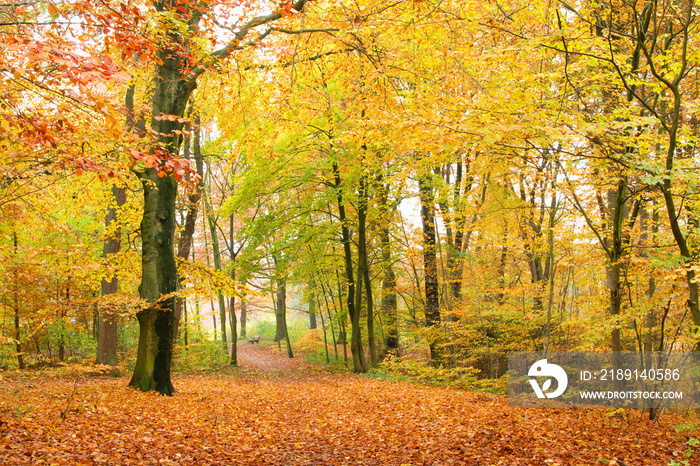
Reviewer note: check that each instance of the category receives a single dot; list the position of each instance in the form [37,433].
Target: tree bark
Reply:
[244,311]
[312,306]
[363,267]
[158,283]
[358,357]
[234,331]
[15,295]
[232,299]
[185,243]
[618,210]
[159,280]
[388,304]
[432,305]
[281,308]
[107,321]
[217,265]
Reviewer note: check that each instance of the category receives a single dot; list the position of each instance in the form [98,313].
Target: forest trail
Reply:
[277,411]
[269,359]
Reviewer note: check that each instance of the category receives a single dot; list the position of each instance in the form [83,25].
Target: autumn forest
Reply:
[321,227]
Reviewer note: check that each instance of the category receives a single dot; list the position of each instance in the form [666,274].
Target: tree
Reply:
[174,81]
[107,329]
[432,304]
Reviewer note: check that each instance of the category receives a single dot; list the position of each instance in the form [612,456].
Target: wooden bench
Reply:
[255,339]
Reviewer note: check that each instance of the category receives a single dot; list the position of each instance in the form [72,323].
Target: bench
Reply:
[255,339]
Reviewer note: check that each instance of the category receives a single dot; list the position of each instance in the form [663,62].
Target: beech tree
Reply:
[174,81]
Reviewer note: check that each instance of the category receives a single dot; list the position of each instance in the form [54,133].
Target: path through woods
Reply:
[276,411]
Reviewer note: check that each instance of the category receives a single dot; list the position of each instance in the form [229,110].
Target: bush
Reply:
[419,371]
[310,342]
[78,344]
[204,356]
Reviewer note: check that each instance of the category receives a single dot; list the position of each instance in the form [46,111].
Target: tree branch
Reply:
[304,31]
[235,43]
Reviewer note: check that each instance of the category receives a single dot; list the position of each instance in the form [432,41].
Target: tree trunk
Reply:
[312,306]
[358,356]
[618,212]
[159,280]
[330,317]
[342,332]
[280,309]
[388,304]
[107,321]
[185,332]
[158,283]
[432,305]
[217,265]
[325,334]
[185,243]
[234,331]
[232,299]
[18,335]
[244,310]
[211,301]
[363,268]
[61,316]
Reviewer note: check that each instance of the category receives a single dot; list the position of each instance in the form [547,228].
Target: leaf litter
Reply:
[277,411]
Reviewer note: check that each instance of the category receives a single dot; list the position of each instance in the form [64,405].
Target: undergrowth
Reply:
[394,368]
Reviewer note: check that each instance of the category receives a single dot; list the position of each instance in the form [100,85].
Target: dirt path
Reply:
[266,358]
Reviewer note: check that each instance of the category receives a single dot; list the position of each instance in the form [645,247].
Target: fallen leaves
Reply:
[280,411]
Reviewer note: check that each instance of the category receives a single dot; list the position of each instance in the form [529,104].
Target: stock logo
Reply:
[542,368]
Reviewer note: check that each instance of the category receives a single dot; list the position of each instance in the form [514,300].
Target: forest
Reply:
[320,228]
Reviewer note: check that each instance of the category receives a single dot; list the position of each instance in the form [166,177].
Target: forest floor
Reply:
[277,411]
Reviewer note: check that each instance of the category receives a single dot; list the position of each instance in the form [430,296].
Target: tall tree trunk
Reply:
[455,261]
[15,304]
[186,330]
[244,310]
[363,267]
[217,265]
[107,321]
[330,317]
[312,306]
[388,304]
[281,308]
[234,331]
[358,356]
[340,315]
[617,207]
[185,243]
[432,304]
[158,283]
[211,301]
[61,316]
[18,335]
[159,280]
[325,333]
[232,299]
